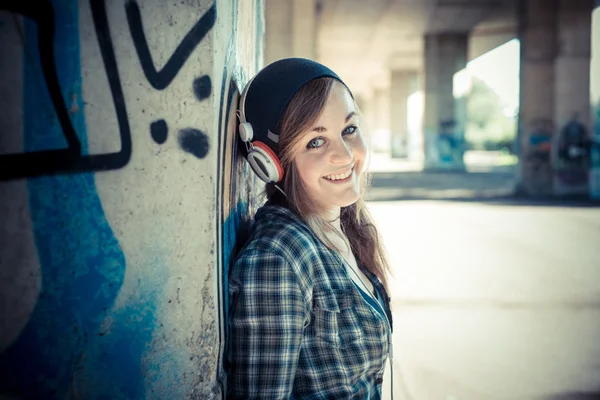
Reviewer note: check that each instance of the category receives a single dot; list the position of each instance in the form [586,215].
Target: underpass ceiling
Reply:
[363,40]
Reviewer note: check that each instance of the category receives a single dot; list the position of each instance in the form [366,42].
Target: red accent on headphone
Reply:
[273,156]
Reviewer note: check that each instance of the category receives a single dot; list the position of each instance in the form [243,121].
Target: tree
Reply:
[487,125]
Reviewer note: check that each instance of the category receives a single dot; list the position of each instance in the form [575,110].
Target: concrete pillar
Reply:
[445,54]
[290,29]
[537,20]
[572,96]
[554,94]
[304,29]
[367,108]
[121,194]
[381,108]
[278,32]
[404,83]
[595,63]
[594,178]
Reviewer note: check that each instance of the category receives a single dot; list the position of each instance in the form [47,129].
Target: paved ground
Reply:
[395,179]
[493,297]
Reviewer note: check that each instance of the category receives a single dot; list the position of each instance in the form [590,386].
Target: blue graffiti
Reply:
[235,230]
[74,344]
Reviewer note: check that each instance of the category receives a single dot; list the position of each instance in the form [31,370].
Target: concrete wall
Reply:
[121,193]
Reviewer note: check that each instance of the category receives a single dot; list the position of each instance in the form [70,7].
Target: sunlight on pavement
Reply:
[492,301]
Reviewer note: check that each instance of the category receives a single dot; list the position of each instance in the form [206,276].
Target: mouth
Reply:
[341,177]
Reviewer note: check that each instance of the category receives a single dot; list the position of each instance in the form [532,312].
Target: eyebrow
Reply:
[323,129]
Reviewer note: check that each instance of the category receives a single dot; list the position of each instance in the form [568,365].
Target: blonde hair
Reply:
[301,113]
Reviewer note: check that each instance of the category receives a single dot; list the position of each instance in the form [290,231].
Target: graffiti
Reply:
[159,131]
[194,142]
[573,153]
[595,143]
[161,79]
[539,141]
[594,172]
[202,87]
[43,14]
[71,159]
[79,341]
[81,262]
[448,143]
[573,144]
[597,119]
[224,231]
[236,185]
[191,140]
[536,145]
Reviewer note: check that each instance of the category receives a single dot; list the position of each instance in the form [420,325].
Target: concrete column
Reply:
[367,108]
[537,20]
[121,194]
[290,29]
[278,32]
[404,83]
[381,131]
[595,64]
[554,114]
[304,29]
[445,54]
[572,111]
[594,178]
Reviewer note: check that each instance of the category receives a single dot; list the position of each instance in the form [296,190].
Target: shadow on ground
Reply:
[574,396]
[492,188]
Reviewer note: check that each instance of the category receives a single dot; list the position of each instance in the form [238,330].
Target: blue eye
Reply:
[315,143]
[349,130]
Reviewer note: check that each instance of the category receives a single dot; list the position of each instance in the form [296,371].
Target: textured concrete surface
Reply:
[121,193]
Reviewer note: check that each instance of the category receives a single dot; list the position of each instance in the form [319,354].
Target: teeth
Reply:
[339,176]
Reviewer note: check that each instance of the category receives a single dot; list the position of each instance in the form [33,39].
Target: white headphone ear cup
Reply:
[246,132]
[263,165]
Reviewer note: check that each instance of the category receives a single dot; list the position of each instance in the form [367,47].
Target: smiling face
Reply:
[330,156]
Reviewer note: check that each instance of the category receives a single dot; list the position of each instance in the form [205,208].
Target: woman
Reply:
[309,311]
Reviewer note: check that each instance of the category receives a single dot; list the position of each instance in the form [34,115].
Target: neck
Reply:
[335,233]
[333,217]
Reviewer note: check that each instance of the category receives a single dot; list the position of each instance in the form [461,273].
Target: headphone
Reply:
[262,158]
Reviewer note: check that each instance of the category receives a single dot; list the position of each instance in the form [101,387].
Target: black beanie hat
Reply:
[270,91]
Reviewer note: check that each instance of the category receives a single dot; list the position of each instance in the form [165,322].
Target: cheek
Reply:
[306,171]
[359,147]
[311,164]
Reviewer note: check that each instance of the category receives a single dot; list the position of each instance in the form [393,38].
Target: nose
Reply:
[341,152]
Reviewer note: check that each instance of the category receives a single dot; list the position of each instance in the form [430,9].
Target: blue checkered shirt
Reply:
[298,326]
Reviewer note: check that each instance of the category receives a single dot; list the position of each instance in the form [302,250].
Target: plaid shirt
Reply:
[298,327]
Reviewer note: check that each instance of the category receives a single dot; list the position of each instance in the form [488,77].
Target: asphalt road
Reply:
[493,297]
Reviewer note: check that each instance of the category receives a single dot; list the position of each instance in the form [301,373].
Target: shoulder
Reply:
[277,229]
[278,236]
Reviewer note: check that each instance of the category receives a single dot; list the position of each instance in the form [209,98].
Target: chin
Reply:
[348,200]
